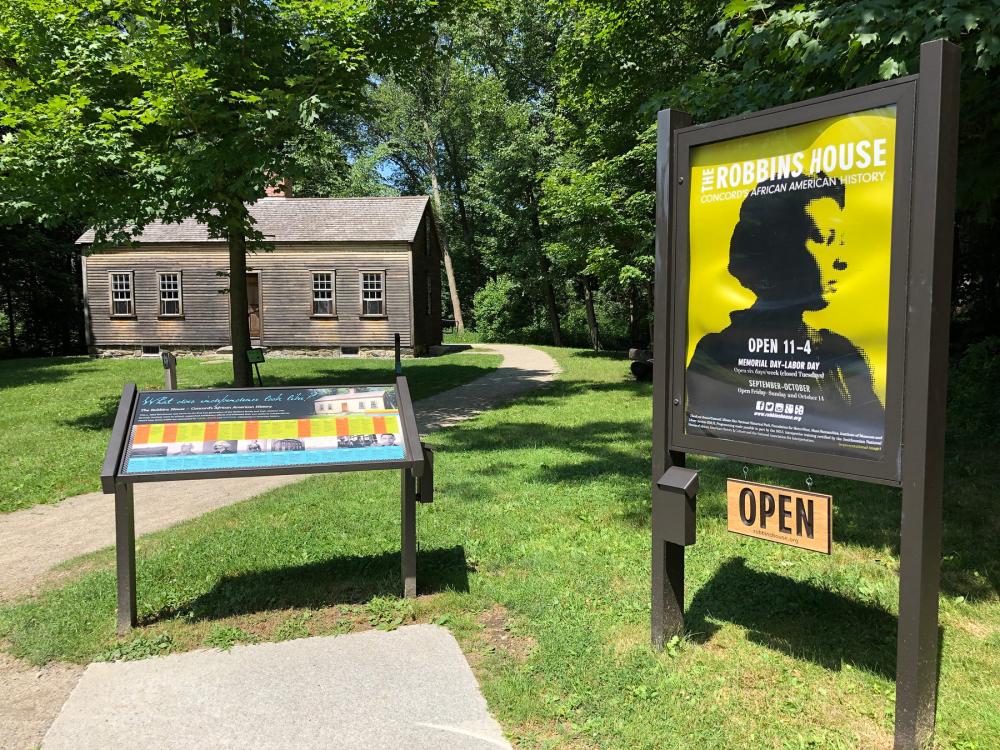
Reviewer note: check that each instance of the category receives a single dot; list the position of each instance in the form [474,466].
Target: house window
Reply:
[373,293]
[170,294]
[430,296]
[122,302]
[323,300]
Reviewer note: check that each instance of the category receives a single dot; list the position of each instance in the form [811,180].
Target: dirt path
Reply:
[34,540]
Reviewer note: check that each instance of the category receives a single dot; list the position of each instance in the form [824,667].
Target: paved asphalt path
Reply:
[34,540]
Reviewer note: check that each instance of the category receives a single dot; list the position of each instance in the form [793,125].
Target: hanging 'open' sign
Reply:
[780,514]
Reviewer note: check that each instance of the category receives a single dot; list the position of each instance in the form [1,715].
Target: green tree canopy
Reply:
[771,53]
[125,111]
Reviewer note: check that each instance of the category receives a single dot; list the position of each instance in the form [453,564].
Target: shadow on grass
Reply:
[39,370]
[101,418]
[796,618]
[864,515]
[339,580]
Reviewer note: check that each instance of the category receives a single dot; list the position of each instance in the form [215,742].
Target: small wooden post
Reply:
[169,371]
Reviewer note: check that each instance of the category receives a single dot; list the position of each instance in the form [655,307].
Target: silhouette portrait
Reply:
[788,249]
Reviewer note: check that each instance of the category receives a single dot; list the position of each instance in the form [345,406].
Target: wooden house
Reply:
[345,275]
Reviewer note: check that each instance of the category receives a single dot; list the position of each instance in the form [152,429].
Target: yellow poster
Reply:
[788,290]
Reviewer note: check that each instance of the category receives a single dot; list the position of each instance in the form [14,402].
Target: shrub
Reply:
[501,310]
[973,408]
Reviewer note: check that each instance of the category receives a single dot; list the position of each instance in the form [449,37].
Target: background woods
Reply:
[530,125]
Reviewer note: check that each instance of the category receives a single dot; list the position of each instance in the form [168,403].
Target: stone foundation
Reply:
[361,352]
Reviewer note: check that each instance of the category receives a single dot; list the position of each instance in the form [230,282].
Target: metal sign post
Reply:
[775,387]
[935,173]
[255,356]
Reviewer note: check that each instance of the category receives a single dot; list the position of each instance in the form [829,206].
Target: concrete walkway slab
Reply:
[409,689]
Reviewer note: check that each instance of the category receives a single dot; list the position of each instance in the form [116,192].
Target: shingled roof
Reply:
[308,220]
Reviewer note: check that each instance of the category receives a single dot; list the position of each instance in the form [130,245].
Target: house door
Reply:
[253,304]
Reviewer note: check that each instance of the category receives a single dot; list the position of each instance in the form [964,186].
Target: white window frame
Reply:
[131,294]
[180,294]
[361,284]
[332,290]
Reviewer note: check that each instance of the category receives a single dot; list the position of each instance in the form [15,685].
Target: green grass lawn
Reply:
[468,336]
[535,554]
[56,413]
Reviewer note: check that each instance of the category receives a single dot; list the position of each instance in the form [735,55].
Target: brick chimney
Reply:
[282,190]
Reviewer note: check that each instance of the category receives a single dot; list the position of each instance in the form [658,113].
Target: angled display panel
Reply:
[254,429]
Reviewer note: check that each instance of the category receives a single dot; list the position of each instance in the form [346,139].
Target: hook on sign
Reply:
[809,482]
[746,472]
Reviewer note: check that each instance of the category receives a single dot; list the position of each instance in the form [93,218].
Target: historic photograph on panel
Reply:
[788,312]
[258,428]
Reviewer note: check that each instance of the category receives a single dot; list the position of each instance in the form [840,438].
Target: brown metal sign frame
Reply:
[920,281]
[416,485]
[899,93]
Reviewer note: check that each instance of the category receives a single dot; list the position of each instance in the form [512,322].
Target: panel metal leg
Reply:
[125,556]
[925,388]
[408,497]
[668,591]
[917,639]
[675,497]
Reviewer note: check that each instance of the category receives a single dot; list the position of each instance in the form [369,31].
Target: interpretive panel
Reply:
[262,428]
[790,238]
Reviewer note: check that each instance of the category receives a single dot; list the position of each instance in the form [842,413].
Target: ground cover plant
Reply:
[535,554]
[56,413]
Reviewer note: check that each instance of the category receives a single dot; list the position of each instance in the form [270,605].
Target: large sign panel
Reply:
[254,428]
[788,285]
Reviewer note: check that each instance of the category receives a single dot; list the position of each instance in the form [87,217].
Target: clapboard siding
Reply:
[286,295]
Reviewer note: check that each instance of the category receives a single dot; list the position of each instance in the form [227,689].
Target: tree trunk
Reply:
[652,307]
[239,320]
[235,217]
[79,328]
[30,336]
[551,309]
[11,325]
[588,296]
[633,318]
[550,302]
[458,186]
[449,270]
